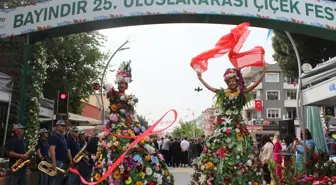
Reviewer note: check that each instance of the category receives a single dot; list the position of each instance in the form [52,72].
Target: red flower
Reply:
[151,183]
[221,152]
[119,105]
[125,175]
[238,126]
[205,150]
[228,131]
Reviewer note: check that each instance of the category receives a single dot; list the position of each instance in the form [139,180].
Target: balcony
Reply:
[290,103]
[289,86]
[248,72]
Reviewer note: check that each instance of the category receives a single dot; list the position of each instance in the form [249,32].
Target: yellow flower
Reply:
[138,183]
[142,175]
[114,139]
[209,165]
[114,107]
[130,131]
[166,172]
[235,94]
[240,137]
[147,157]
[128,181]
[97,176]
[118,131]
[116,175]
[142,141]
[124,148]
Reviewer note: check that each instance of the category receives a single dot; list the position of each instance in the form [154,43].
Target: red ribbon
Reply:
[148,132]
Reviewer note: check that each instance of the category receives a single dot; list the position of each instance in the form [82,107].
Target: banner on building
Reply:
[254,128]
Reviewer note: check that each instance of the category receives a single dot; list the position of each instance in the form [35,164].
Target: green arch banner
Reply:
[315,15]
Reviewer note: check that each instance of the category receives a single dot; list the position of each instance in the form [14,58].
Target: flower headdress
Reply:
[236,74]
[124,73]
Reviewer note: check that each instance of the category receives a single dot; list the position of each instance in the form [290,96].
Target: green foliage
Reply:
[75,61]
[312,50]
[143,121]
[186,129]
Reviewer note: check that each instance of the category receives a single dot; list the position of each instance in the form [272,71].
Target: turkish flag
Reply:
[258,105]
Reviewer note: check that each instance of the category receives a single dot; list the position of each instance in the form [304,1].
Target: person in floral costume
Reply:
[228,157]
[143,164]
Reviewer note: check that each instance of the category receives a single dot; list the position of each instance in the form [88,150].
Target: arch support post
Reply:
[299,101]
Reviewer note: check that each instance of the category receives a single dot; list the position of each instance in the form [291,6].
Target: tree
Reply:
[312,50]
[186,129]
[74,61]
[143,121]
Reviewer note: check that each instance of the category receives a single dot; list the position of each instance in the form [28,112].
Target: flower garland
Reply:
[37,75]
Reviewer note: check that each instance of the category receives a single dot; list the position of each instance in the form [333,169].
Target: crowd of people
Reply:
[179,152]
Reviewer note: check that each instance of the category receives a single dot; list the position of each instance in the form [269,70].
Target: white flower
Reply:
[202,178]
[237,130]
[122,111]
[122,98]
[159,181]
[228,112]
[116,143]
[237,156]
[227,120]
[149,148]
[101,135]
[131,103]
[249,163]
[202,167]
[149,171]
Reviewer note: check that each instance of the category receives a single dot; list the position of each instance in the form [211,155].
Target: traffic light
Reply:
[62,103]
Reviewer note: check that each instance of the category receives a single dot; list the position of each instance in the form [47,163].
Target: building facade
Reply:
[277,94]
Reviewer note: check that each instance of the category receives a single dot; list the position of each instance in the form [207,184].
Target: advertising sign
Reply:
[57,13]
[254,128]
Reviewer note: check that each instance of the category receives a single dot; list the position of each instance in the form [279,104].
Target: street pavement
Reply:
[182,176]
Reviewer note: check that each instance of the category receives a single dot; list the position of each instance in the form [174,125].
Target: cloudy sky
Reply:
[161,55]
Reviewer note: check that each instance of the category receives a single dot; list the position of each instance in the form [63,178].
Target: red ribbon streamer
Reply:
[148,132]
[232,43]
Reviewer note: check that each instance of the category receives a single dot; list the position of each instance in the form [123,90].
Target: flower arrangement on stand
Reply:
[324,172]
[37,75]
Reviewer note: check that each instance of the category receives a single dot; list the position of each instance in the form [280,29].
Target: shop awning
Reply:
[82,120]
[5,87]
[319,85]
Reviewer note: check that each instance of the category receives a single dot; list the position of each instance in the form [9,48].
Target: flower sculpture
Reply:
[143,164]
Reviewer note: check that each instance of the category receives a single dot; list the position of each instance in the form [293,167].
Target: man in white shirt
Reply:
[185,147]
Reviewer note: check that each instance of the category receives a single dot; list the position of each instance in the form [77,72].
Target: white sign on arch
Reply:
[57,13]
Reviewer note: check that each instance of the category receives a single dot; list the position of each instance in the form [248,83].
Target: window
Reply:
[272,77]
[291,94]
[291,114]
[273,95]
[273,113]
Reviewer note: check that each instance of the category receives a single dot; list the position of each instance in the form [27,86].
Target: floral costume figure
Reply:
[228,156]
[143,165]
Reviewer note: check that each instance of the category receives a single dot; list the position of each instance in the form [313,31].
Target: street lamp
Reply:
[193,114]
[121,48]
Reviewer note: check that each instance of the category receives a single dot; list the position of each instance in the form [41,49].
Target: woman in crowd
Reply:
[266,155]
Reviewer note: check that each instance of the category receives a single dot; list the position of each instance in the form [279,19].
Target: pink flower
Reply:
[156,167]
[114,117]
[161,157]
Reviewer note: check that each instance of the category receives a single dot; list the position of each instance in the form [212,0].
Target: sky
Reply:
[161,55]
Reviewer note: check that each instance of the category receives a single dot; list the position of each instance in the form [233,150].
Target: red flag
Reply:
[253,57]
[258,105]
[294,83]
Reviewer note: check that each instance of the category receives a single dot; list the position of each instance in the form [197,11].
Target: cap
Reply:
[74,129]
[18,126]
[43,130]
[60,122]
